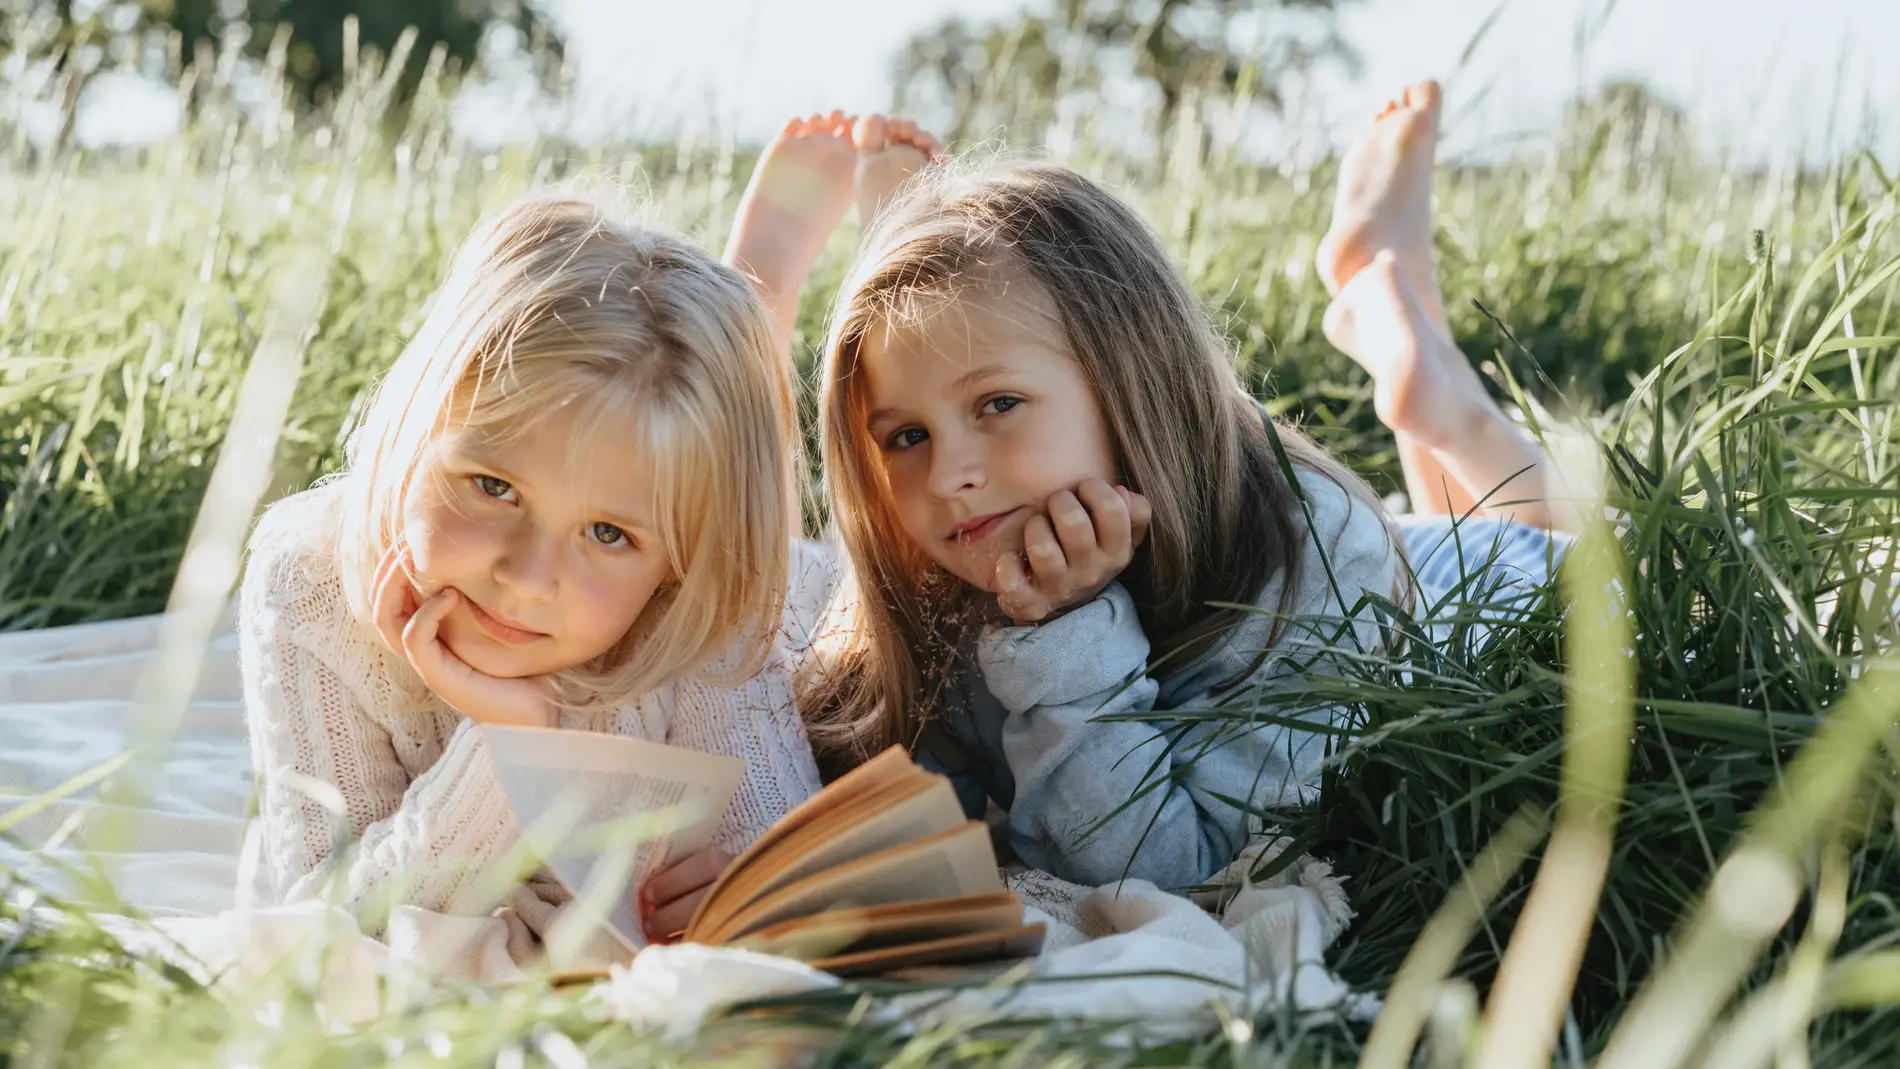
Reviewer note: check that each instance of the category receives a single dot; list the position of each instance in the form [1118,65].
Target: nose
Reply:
[958,464]
[529,565]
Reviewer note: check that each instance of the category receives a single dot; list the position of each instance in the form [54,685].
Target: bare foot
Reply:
[890,150]
[1422,385]
[1385,200]
[799,193]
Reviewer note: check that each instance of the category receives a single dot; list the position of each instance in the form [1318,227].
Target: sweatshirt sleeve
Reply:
[1105,788]
[337,805]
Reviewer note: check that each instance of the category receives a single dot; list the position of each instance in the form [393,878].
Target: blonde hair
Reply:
[552,309]
[1186,434]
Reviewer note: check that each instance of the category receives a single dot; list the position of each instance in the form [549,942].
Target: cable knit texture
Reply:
[369,780]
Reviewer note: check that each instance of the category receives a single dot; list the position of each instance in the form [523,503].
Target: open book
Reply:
[878,871]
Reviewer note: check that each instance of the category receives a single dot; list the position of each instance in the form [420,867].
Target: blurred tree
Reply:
[60,29]
[1019,70]
[1626,122]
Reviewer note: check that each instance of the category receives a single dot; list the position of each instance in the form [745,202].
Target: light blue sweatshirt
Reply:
[1033,737]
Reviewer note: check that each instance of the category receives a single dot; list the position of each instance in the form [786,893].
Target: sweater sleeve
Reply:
[339,809]
[1103,791]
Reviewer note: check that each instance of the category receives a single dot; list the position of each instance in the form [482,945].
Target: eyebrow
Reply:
[482,458]
[968,378]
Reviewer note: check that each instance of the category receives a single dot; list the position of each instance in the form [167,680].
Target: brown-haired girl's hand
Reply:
[409,624]
[667,901]
[1083,542]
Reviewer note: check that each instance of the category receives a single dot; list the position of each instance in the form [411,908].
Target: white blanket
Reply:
[65,711]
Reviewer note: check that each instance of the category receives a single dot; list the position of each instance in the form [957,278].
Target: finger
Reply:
[1139,514]
[427,620]
[1109,513]
[1046,560]
[1014,594]
[692,873]
[1074,528]
[395,599]
[440,669]
[667,923]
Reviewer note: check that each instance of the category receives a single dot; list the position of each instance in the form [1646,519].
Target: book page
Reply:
[891,766]
[957,862]
[606,812]
[1020,942]
[904,811]
[834,931]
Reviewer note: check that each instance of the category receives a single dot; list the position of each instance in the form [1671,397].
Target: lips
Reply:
[977,528]
[500,628]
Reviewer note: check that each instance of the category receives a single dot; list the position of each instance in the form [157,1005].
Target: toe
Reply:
[1426,95]
[870,133]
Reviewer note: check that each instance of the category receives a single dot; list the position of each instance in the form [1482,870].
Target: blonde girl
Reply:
[570,504]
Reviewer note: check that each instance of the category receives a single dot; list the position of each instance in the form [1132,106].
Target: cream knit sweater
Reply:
[367,779]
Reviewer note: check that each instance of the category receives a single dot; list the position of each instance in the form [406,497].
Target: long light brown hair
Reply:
[1227,520]
[558,309]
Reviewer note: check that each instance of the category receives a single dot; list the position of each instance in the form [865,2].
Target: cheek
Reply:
[446,541]
[1052,454]
[605,607]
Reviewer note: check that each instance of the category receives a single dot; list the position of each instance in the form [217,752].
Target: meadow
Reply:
[1716,747]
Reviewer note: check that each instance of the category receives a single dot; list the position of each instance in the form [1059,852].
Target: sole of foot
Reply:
[798,195]
[1384,201]
[1423,386]
[890,150]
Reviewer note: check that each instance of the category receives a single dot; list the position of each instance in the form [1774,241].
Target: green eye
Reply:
[607,534]
[493,487]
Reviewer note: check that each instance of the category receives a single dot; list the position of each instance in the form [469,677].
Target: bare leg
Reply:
[799,193]
[1458,450]
[1425,388]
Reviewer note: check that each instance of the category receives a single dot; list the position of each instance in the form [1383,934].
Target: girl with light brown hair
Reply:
[1070,531]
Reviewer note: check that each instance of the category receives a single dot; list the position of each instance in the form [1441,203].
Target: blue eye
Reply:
[493,487]
[607,534]
[1000,405]
[906,438]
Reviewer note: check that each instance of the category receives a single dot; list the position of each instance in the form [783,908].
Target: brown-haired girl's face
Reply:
[546,543]
[978,418]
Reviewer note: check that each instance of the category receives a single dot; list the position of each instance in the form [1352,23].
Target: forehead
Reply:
[937,338]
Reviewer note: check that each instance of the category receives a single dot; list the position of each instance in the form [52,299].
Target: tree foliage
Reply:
[1242,51]
[319,35]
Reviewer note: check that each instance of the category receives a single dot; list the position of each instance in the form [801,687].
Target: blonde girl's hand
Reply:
[667,901]
[410,625]
[1083,542]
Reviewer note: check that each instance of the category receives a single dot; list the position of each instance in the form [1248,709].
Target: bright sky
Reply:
[1755,75]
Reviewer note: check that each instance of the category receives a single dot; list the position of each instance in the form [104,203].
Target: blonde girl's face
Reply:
[549,545]
[977,422]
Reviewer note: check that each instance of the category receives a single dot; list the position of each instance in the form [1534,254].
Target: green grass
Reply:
[1698,319]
